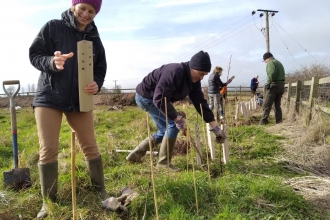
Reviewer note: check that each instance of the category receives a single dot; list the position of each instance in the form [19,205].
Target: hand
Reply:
[115,204]
[219,134]
[92,88]
[59,59]
[180,123]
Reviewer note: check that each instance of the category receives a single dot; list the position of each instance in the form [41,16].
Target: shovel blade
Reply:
[18,178]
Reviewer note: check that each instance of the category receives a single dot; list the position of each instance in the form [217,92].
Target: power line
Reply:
[285,44]
[295,40]
[230,36]
[185,54]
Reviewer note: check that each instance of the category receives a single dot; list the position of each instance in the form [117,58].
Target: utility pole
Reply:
[115,83]
[267,25]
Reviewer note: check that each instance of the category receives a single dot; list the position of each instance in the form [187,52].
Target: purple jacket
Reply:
[173,81]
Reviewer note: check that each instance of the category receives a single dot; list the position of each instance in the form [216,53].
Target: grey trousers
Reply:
[216,98]
[273,96]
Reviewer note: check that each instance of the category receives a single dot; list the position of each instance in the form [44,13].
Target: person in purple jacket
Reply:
[174,82]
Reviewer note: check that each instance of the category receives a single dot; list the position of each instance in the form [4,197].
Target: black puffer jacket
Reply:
[215,84]
[59,89]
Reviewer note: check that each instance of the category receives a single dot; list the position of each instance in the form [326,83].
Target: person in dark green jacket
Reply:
[274,88]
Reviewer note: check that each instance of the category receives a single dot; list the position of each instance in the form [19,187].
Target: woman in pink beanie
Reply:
[54,53]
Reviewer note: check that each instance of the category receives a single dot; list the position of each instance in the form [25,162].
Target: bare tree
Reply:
[11,90]
[307,72]
[117,89]
[103,89]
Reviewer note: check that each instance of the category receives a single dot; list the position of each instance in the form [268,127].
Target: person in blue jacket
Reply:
[254,85]
[54,53]
[174,82]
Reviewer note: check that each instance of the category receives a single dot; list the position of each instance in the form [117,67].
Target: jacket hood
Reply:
[70,21]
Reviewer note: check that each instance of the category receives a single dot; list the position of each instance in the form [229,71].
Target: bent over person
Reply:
[274,88]
[53,52]
[174,82]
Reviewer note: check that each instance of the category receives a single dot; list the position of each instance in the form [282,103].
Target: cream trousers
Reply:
[49,122]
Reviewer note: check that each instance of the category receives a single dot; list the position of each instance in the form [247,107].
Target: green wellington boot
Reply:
[140,150]
[95,169]
[164,160]
[48,174]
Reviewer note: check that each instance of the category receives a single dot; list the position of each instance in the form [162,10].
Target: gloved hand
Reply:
[180,124]
[220,136]
[115,204]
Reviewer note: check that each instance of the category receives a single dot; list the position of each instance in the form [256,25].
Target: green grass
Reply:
[250,186]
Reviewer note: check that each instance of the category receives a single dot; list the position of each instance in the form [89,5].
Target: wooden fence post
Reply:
[240,93]
[289,95]
[313,93]
[298,91]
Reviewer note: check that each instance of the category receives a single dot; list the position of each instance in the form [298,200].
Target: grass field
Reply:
[250,186]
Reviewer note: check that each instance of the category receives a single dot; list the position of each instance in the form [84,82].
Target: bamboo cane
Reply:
[216,105]
[73,175]
[151,167]
[187,136]
[167,144]
[195,186]
[193,165]
[207,151]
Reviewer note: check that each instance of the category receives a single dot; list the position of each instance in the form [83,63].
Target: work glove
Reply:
[130,195]
[115,204]
[220,136]
[180,124]
[120,203]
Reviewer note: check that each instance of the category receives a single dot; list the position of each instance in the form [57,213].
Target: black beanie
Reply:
[267,55]
[201,61]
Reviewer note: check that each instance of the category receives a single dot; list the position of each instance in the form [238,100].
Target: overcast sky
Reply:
[141,35]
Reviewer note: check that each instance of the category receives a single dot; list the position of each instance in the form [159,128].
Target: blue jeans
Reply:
[219,101]
[158,118]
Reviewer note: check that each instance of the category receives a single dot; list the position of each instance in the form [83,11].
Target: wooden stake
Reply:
[167,144]
[207,152]
[186,131]
[73,175]
[192,163]
[195,186]
[152,167]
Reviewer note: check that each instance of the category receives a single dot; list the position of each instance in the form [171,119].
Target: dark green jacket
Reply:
[275,71]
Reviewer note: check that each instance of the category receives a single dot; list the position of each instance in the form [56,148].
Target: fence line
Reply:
[306,92]
[231,90]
